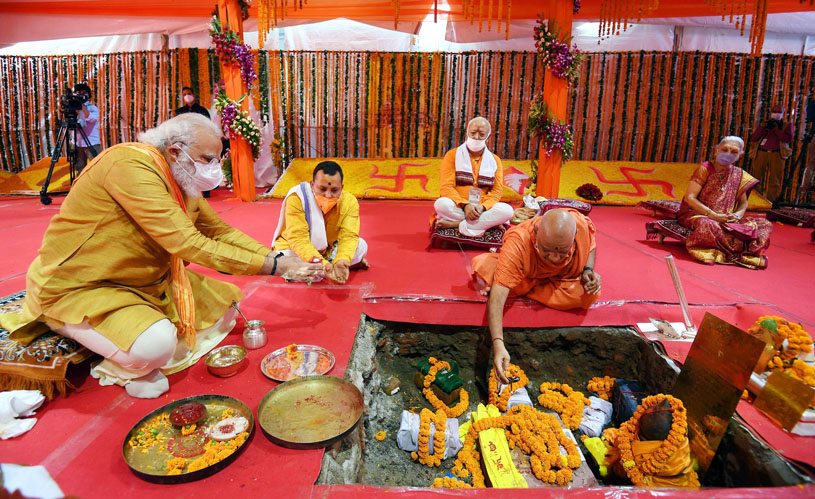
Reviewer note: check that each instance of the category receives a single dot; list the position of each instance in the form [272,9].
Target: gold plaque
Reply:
[712,380]
[784,399]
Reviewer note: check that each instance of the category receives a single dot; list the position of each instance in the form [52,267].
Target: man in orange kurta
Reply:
[549,259]
[471,181]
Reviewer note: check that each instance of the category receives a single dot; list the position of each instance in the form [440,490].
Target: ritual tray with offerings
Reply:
[188,439]
[296,361]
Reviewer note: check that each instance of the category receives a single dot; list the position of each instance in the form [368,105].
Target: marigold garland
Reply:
[532,431]
[564,400]
[440,421]
[601,386]
[798,339]
[641,473]
[464,398]
[501,401]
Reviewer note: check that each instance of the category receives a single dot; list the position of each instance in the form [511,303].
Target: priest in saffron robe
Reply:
[110,273]
[549,259]
[471,181]
[319,222]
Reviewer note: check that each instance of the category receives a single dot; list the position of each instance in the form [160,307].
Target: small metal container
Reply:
[226,361]
[254,336]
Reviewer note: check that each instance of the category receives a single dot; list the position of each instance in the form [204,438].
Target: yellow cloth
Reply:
[105,257]
[341,226]
[678,470]
[495,453]
[460,193]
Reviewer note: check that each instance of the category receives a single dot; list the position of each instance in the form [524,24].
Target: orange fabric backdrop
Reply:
[360,10]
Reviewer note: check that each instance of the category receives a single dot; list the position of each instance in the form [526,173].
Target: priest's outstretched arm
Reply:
[495,316]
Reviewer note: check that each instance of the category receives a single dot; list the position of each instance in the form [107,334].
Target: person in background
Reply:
[471,183]
[770,135]
[714,206]
[190,104]
[88,119]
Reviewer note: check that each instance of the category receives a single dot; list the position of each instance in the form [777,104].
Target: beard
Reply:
[184,181]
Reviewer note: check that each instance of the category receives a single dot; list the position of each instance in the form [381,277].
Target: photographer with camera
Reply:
[769,149]
[88,119]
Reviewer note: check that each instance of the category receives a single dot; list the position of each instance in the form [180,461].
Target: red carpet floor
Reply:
[79,438]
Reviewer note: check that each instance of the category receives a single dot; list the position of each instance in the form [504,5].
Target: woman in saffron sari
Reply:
[714,207]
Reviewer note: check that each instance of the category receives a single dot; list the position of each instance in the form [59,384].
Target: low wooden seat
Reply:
[793,216]
[491,238]
[661,229]
[661,208]
[553,203]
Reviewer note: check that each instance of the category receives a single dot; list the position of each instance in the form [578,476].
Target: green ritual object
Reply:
[447,384]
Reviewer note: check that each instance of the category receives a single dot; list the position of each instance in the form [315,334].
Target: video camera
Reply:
[70,102]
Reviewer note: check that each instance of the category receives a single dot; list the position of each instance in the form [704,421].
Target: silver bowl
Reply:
[226,361]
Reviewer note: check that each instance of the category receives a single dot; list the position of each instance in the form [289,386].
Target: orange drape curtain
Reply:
[243,174]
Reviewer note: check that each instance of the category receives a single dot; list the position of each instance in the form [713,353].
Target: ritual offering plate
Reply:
[161,448]
[310,412]
[295,361]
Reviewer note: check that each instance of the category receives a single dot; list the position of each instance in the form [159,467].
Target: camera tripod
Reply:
[68,124]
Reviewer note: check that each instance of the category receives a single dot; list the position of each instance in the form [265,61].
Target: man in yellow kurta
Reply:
[319,222]
[471,181]
[110,273]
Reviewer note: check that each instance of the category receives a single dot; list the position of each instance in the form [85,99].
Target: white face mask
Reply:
[189,99]
[726,158]
[777,116]
[476,145]
[207,175]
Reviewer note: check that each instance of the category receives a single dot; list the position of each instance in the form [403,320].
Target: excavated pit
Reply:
[384,350]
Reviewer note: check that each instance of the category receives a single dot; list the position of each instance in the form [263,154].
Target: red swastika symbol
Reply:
[399,178]
[667,188]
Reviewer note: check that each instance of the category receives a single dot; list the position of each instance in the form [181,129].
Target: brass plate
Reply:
[712,380]
[316,360]
[310,412]
[148,465]
[784,399]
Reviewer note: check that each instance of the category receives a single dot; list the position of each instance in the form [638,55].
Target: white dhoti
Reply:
[447,210]
[155,353]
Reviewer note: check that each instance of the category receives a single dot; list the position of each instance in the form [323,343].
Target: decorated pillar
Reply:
[555,96]
[243,172]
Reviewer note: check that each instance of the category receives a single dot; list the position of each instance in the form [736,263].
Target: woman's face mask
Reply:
[207,175]
[189,99]
[726,158]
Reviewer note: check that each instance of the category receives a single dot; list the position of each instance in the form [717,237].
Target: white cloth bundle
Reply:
[16,404]
[596,416]
[518,397]
[407,438]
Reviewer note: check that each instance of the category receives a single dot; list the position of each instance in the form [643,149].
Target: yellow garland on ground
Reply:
[532,431]
[601,386]
[641,474]
[464,399]
[565,401]
[501,401]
